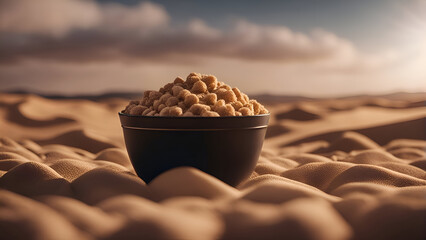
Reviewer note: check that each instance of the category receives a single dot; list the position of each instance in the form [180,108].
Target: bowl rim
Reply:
[193,117]
[194,123]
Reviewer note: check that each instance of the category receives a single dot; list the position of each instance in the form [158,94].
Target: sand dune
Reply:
[80,139]
[276,130]
[298,114]
[330,169]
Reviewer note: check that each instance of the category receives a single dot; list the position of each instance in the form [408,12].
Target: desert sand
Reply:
[351,168]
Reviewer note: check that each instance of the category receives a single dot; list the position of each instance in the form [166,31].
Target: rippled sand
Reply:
[331,169]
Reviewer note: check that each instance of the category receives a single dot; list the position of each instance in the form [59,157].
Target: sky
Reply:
[312,48]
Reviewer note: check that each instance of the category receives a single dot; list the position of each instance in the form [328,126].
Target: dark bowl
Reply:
[225,147]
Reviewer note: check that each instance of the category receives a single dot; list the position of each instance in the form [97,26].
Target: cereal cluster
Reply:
[198,95]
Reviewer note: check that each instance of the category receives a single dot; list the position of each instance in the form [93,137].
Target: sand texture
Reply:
[352,168]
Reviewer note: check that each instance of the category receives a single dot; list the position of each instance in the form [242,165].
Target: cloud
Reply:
[77,46]
[83,31]
[145,16]
[49,17]
[57,18]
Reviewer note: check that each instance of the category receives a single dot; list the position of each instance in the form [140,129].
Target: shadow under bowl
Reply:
[225,147]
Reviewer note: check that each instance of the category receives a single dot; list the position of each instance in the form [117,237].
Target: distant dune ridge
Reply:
[348,168]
